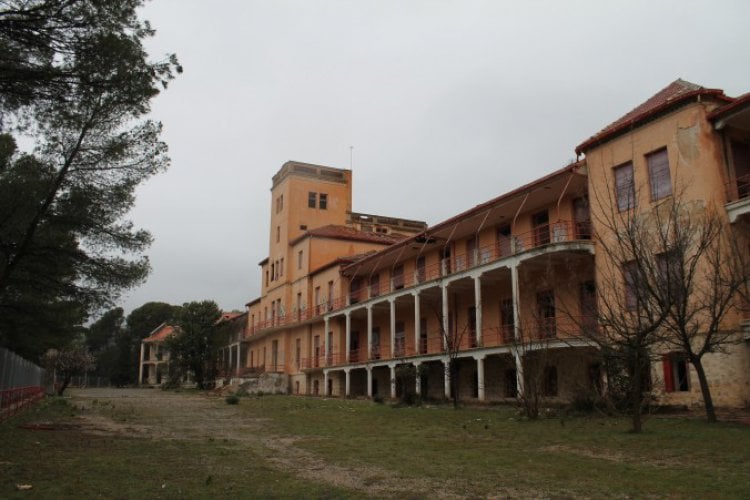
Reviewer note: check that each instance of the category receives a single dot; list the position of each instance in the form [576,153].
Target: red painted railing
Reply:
[15,400]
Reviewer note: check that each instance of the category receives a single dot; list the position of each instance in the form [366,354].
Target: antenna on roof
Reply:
[351,157]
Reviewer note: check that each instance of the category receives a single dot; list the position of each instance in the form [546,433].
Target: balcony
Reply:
[545,329]
[738,198]
[541,236]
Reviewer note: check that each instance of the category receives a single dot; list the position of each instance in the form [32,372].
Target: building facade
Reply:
[505,289]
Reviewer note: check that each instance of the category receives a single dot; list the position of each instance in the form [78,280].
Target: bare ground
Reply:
[155,414]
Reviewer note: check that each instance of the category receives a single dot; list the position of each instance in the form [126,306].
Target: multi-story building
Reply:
[154,357]
[348,298]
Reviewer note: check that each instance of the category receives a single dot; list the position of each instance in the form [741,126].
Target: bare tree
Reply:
[631,307]
[705,269]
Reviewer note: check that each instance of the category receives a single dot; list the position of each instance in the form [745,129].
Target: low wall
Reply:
[268,383]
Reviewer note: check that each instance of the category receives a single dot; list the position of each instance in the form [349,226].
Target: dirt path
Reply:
[158,415]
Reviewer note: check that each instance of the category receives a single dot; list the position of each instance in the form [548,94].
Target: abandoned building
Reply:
[347,298]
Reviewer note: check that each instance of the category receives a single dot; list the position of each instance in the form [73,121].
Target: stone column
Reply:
[325,383]
[446,322]
[140,366]
[447,379]
[369,332]
[480,378]
[417,323]
[348,317]
[392,306]
[478,307]
[369,381]
[239,358]
[326,347]
[517,355]
[418,381]
[348,382]
[393,380]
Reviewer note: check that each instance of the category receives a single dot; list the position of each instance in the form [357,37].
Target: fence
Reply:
[20,383]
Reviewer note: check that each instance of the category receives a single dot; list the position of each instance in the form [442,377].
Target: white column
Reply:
[369,381]
[348,317]
[325,383]
[478,307]
[348,381]
[392,306]
[446,322]
[140,366]
[417,324]
[326,326]
[393,380]
[418,381]
[369,332]
[480,378]
[446,367]
[239,357]
[517,328]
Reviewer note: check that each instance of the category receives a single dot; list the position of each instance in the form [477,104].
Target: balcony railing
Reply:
[739,188]
[560,328]
[556,232]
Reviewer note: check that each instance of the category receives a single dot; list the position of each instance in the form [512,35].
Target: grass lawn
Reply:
[278,446]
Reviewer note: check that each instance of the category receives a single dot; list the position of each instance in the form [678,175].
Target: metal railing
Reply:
[738,188]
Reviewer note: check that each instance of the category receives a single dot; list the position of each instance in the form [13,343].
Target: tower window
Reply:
[312,199]
[323,204]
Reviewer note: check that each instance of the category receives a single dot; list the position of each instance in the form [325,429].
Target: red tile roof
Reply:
[337,232]
[346,260]
[676,93]
[161,333]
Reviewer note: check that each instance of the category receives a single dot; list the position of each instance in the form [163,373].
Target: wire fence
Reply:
[21,383]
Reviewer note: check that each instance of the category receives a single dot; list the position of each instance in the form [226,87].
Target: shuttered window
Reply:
[658,174]
[625,187]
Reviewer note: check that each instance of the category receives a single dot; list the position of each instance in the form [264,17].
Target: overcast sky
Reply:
[446,103]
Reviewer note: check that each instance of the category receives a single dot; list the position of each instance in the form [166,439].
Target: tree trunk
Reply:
[636,394]
[64,384]
[708,401]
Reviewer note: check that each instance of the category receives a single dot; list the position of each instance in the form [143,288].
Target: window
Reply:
[312,199]
[421,275]
[354,291]
[546,310]
[299,259]
[278,234]
[375,344]
[323,204]
[374,285]
[266,277]
[279,203]
[423,335]
[471,251]
[589,308]
[503,241]
[625,186]
[507,320]
[471,316]
[297,354]
[273,272]
[299,305]
[676,374]
[658,174]
[281,267]
[540,222]
[630,277]
[330,295]
[582,216]
[550,381]
[398,277]
[671,277]
[399,348]
[317,300]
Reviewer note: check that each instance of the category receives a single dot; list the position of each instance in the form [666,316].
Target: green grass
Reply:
[487,451]
[474,452]
[66,463]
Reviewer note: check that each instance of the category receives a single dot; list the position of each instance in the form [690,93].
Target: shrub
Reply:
[232,399]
